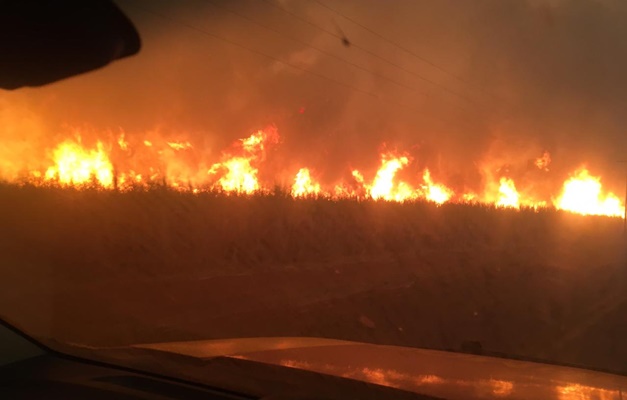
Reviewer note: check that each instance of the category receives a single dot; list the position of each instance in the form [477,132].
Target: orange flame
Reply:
[582,194]
[238,173]
[303,184]
[508,195]
[383,186]
[434,192]
[240,176]
[124,164]
[75,165]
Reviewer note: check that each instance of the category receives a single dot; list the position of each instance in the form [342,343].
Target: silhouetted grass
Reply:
[159,229]
[519,281]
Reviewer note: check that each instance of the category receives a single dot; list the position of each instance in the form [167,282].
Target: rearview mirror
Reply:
[45,41]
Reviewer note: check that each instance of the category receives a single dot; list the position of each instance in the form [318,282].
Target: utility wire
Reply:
[389,41]
[241,46]
[319,50]
[278,60]
[441,86]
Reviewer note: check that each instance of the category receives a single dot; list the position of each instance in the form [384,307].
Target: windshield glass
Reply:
[432,174]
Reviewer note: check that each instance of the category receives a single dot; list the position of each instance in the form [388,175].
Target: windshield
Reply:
[431,174]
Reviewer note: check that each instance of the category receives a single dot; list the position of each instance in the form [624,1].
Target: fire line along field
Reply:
[109,268]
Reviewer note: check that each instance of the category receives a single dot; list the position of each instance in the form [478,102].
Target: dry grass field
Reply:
[109,268]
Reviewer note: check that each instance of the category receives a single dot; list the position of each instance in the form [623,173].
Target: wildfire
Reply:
[508,195]
[125,163]
[303,184]
[434,192]
[582,194]
[75,165]
[384,186]
[239,174]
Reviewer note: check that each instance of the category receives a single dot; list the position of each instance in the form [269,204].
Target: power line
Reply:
[441,86]
[195,28]
[385,39]
[321,51]
[278,60]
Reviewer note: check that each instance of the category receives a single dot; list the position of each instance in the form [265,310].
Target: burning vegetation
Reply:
[118,164]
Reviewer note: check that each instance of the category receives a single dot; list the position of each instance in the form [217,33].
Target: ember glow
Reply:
[119,163]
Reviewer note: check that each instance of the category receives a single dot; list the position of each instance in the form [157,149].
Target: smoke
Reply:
[482,85]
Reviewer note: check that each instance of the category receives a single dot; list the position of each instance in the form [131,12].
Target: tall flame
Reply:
[238,173]
[582,194]
[240,176]
[435,192]
[75,165]
[304,185]
[383,186]
[508,195]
